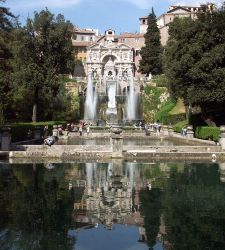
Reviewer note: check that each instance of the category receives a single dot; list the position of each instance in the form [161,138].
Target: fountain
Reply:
[111,112]
[90,101]
[131,104]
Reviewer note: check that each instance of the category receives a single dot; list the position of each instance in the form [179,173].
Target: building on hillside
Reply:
[110,60]
[143,22]
[81,39]
[165,19]
[135,41]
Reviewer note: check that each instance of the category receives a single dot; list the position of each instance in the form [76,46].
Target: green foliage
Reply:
[179,125]
[194,62]
[43,51]
[19,131]
[151,101]
[162,114]
[6,39]
[151,52]
[160,80]
[208,133]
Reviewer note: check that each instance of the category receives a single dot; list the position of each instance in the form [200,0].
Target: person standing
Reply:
[80,130]
[88,129]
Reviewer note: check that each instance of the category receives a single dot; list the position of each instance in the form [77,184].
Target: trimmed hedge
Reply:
[19,131]
[208,133]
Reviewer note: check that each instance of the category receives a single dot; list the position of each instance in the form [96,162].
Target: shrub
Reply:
[160,80]
[173,119]
[178,126]
[161,116]
[19,131]
[208,133]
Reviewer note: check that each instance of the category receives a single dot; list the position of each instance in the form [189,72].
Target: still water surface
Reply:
[116,205]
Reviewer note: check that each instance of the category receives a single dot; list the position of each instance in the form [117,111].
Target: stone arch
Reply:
[113,55]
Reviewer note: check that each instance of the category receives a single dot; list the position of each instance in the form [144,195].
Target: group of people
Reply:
[80,128]
[156,127]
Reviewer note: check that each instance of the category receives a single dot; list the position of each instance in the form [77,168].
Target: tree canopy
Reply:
[151,52]
[6,26]
[43,51]
[195,62]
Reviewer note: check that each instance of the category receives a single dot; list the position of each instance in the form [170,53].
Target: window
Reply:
[123,40]
[136,40]
[74,37]
[110,33]
[143,21]
[82,38]
[91,38]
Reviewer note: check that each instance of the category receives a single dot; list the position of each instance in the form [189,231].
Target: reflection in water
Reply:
[132,205]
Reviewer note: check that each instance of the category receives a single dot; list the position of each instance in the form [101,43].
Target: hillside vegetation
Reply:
[158,106]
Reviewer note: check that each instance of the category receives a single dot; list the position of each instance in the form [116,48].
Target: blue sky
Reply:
[121,15]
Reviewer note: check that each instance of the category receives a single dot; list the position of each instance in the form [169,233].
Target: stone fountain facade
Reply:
[111,67]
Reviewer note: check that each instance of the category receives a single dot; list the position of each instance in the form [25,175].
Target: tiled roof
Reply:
[82,44]
[130,35]
[83,31]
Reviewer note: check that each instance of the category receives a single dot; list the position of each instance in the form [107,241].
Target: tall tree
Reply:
[195,63]
[151,53]
[43,52]
[6,26]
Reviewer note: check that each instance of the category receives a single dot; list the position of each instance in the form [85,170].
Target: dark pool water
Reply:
[142,141]
[116,205]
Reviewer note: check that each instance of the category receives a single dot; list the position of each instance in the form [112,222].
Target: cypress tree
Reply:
[6,27]
[152,51]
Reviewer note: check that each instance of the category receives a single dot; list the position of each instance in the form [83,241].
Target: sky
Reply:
[120,15]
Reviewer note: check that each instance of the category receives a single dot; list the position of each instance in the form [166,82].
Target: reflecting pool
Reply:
[114,205]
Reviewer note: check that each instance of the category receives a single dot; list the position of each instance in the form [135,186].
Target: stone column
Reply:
[116,141]
[6,139]
[190,132]
[222,137]
[37,133]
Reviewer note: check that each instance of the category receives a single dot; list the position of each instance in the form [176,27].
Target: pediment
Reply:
[178,10]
